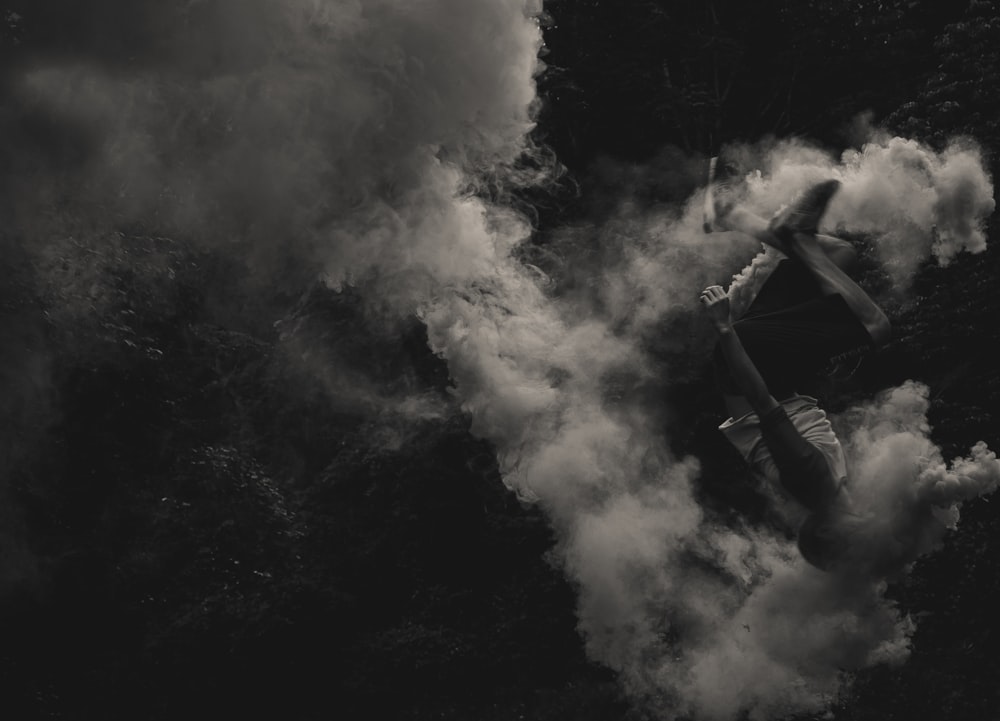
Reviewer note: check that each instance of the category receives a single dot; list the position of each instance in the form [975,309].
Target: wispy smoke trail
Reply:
[345,139]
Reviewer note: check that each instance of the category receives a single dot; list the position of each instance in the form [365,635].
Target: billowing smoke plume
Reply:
[910,494]
[763,631]
[917,202]
[348,140]
[300,133]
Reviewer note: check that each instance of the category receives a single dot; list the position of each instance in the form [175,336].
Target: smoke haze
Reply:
[354,142]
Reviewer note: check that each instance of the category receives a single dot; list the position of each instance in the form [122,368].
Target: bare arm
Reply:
[742,369]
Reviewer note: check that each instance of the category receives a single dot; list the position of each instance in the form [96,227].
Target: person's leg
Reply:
[796,230]
[833,280]
[802,468]
[804,215]
[840,251]
[823,255]
[787,335]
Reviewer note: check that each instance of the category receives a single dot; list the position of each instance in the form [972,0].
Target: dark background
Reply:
[194,532]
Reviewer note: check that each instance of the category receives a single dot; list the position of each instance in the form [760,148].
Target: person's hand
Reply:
[716,304]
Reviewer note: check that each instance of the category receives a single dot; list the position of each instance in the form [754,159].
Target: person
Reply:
[807,314]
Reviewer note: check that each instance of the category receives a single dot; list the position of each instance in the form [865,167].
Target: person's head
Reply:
[833,540]
[819,542]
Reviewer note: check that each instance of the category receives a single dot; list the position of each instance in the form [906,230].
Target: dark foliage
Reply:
[198,529]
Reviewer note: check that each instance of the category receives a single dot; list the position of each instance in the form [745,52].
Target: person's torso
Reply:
[809,420]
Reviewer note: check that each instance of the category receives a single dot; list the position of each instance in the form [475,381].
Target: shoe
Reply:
[803,215]
[720,198]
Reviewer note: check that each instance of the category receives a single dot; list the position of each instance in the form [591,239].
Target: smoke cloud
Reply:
[899,476]
[296,133]
[355,142]
[916,202]
[762,631]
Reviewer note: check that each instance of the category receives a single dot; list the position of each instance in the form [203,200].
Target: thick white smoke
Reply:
[919,203]
[343,139]
[900,478]
[769,634]
[333,133]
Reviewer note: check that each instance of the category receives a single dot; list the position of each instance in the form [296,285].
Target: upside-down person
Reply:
[807,313]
